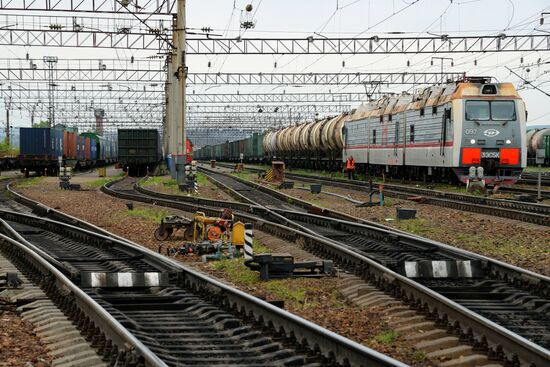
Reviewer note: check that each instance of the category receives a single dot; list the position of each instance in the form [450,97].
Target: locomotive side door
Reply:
[445,122]
[396,134]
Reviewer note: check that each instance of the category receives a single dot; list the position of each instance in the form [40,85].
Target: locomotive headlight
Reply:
[473,141]
[508,141]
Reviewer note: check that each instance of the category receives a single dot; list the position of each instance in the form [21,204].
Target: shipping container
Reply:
[45,142]
[81,148]
[87,155]
[94,149]
[69,145]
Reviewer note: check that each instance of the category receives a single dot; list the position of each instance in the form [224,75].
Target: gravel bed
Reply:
[316,300]
[521,244]
[19,345]
[207,190]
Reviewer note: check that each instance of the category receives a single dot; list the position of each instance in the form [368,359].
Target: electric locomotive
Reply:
[467,130]
[473,129]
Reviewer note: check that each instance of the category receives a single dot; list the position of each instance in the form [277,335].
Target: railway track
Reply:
[545,194]
[531,178]
[498,308]
[140,308]
[518,210]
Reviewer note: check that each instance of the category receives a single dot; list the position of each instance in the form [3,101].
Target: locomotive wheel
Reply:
[162,236]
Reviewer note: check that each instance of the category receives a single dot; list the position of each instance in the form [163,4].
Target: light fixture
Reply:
[508,141]
[473,141]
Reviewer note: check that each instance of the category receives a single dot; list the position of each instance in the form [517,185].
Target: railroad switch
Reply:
[282,265]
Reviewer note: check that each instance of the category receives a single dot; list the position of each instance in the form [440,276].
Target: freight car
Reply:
[40,149]
[106,148]
[139,150]
[252,149]
[538,139]
[464,130]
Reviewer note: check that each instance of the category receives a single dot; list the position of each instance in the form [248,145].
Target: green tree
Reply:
[6,149]
[42,123]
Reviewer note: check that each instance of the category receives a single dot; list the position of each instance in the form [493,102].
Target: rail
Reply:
[447,312]
[527,212]
[330,344]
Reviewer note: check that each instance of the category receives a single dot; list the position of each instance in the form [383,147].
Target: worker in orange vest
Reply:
[352,161]
[349,169]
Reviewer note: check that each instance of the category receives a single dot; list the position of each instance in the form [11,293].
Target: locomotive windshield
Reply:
[490,110]
[503,110]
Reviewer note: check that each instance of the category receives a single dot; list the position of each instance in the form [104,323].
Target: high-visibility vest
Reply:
[352,161]
[348,163]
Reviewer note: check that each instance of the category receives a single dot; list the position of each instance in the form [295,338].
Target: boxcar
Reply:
[139,150]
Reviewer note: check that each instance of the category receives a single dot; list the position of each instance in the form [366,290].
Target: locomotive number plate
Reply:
[490,154]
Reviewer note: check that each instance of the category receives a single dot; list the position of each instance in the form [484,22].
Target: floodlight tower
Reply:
[51,61]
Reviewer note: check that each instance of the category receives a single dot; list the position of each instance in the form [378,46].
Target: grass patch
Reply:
[387,201]
[417,226]
[245,175]
[204,181]
[419,356]
[258,247]
[94,184]
[290,291]
[159,180]
[236,271]
[152,214]
[388,337]
[28,182]
[534,169]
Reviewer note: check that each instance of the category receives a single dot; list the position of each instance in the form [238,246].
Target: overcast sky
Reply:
[349,18]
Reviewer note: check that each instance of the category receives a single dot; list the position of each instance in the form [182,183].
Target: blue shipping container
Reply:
[93,149]
[41,141]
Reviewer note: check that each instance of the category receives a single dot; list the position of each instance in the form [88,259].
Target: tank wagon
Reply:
[139,150]
[40,149]
[463,130]
[535,140]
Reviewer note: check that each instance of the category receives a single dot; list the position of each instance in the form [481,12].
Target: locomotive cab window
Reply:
[477,110]
[494,110]
[503,110]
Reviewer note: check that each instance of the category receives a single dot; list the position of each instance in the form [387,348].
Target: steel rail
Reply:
[331,344]
[527,212]
[447,312]
[330,215]
[456,317]
[110,326]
